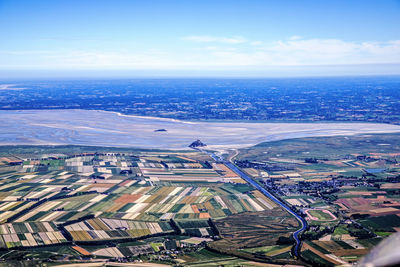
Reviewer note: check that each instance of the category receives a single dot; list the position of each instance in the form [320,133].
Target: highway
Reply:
[247,178]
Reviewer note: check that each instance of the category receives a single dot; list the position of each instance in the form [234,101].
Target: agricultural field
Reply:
[198,228]
[122,252]
[347,188]
[164,206]
[107,229]
[303,201]
[245,234]
[270,251]
[124,187]
[386,223]
[130,204]
[30,234]
[206,258]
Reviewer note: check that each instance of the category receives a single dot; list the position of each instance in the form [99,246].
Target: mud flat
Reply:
[102,128]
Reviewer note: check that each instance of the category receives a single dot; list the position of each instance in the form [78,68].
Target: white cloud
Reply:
[256,43]
[303,52]
[218,52]
[87,59]
[295,37]
[215,39]
[331,52]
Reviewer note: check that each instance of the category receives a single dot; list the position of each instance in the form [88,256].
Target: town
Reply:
[366,99]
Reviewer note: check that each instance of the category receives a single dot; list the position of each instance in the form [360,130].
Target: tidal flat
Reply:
[103,128]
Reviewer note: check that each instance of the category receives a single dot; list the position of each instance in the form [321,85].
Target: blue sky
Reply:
[200,37]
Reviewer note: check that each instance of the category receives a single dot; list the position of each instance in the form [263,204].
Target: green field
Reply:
[320,215]
[322,147]
[382,223]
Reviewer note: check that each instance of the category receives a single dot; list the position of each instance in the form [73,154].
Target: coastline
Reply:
[108,128]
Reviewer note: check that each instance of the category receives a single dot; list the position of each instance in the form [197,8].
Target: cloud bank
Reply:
[214,52]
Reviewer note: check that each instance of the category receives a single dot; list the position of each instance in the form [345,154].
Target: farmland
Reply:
[130,204]
[30,234]
[175,207]
[346,188]
[253,230]
[107,229]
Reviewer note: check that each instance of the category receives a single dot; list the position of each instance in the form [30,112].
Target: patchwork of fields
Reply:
[30,234]
[347,188]
[122,187]
[89,199]
[106,229]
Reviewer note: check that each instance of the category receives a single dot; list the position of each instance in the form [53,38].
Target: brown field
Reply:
[81,250]
[101,185]
[391,186]
[384,210]
[226,171]
[204,216]
[258,194]
[385,154]
[128,198]
[125,182]
[238,180]
[254,229]
[350,252]
[195,209]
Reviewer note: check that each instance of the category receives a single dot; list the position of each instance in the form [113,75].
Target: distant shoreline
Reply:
[119,113]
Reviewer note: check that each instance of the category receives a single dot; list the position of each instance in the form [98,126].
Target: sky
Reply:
[184,38]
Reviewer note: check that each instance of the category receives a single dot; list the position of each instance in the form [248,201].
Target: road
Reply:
[247,178]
